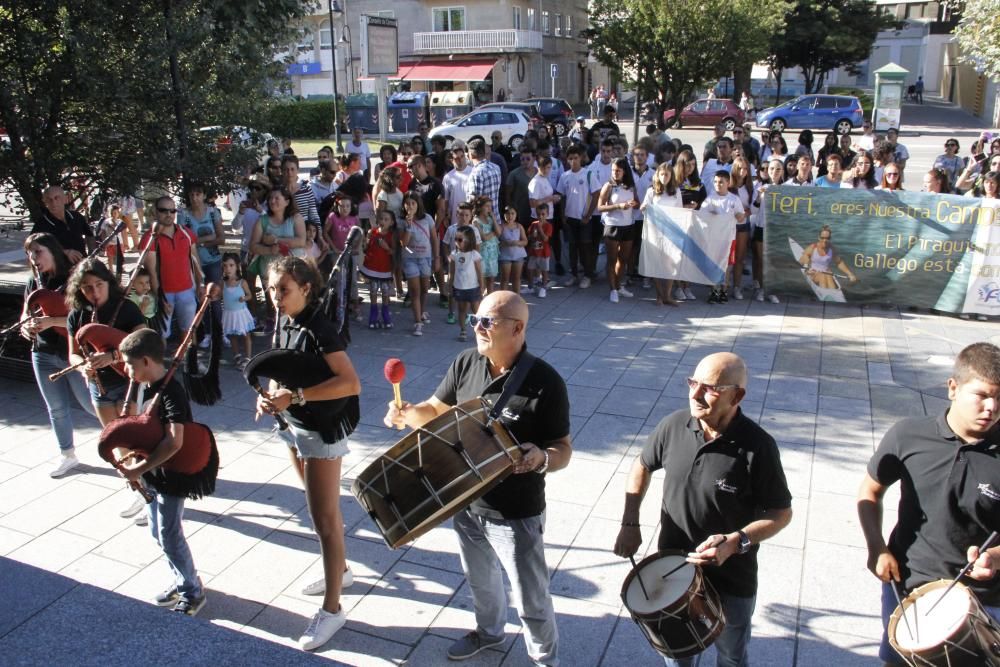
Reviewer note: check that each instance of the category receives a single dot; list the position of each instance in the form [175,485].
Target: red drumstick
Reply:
[394,372]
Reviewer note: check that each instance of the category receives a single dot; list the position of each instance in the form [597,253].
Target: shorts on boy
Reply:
[471,295]
[416,267]
[538,263]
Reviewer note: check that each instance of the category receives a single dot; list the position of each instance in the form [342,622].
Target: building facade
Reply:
[500,49]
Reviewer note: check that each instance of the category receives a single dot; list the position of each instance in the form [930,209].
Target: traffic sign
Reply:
[554,72]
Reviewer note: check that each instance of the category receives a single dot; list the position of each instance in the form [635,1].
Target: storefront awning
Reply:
[445,70]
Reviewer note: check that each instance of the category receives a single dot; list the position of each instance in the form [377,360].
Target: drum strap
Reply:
[510,386]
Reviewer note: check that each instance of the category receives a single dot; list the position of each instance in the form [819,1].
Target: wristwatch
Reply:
[545,464]
[745,543]
[298,397]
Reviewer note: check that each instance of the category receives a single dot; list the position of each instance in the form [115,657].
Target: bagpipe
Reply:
[293,369]
[94,339]
[192,471]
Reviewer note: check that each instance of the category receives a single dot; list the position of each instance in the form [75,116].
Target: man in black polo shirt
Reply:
[948,467]
[504,527]
[72,230]
[724,493]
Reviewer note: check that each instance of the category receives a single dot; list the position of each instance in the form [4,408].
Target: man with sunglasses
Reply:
[723,494]
[174,267]
[505,527]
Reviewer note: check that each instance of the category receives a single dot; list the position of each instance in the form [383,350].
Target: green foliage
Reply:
[822,35]
[673,48]
[114,91]
[978,34]
[301,118]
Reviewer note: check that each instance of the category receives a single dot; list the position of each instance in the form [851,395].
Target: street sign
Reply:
[379,46]
[554,73]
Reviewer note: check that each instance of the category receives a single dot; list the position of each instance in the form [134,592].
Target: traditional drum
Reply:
[435,471]
[673,604]
[958,632]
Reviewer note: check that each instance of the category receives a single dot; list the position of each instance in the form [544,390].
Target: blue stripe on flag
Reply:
[692,251]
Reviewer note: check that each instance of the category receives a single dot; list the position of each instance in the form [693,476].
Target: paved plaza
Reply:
[827,381]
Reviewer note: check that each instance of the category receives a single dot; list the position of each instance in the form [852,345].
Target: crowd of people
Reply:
[482,227]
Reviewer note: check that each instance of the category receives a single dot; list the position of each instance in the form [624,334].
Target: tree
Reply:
[822,35]
[671,51]
[978,34]
[113,92]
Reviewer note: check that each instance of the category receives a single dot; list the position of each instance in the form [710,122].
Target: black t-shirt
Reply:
[538,413]
[716,487]
[311,332]
[693,194]
[949,499]
[355,187]
[48,341]
[175,408]
[71,233]
[430,192]
[129,317]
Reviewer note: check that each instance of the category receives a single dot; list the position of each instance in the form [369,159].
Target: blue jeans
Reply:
[885,651]
[213,274]
[185,305]
[57,395]
[165,515]
[518,546]
[731,646]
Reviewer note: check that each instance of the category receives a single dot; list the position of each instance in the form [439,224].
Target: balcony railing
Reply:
[477,41]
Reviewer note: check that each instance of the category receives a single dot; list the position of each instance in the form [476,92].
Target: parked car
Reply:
[482,122]
[555,110]
[840,113]
[709,113]
[530,109]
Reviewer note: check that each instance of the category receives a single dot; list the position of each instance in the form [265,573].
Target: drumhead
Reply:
[661,592]
[942,623]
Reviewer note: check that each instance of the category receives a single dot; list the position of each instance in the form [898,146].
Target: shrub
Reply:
[301,118]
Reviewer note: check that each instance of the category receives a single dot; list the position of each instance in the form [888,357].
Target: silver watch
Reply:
[298,397]
[545,464]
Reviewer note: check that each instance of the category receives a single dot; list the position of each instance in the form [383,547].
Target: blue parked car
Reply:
[840,113]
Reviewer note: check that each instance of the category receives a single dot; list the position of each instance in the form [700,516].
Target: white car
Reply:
[481,123]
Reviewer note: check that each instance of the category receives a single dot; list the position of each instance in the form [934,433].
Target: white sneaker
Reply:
[321,629]
[625,292]
[773,298]
[141,519]
[758,295]
[425,317]
[68,462]
[738,293]
[541,292]
[134,508]
[646,284]
[319,587]
[584,282]
[418,329]
[525,289]
[225,342]
[689,295]
[550,284]
[205,343]
[679,295]
[614,296]
[570,281]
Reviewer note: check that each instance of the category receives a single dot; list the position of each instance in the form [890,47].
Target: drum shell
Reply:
[674,637]
[974,644]
[445,470]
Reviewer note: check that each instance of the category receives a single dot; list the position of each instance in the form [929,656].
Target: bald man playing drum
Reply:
[724,493]
[505,526]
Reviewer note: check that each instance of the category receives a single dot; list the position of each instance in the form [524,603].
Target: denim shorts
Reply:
[114,393]
[310,445]
[416,267]
[471,295]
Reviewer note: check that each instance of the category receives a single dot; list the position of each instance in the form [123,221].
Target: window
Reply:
[447,19]
[502,118]
[324,35]
[517,18]
[718,106]
[545,22]
[826,103]
[699,107]
[385,13]
[569,25]
[531,19]
[306,41]
[558,25]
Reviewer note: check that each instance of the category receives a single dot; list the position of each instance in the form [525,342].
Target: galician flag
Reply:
[683,244]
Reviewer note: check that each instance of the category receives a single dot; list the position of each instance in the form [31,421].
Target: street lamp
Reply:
[335,9]
[345,38]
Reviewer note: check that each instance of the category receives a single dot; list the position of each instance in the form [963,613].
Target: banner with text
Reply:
[906,248]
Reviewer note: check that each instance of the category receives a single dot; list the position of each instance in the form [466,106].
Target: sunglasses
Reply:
[487,322]
[171,211]
[710,389]
[890,174]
